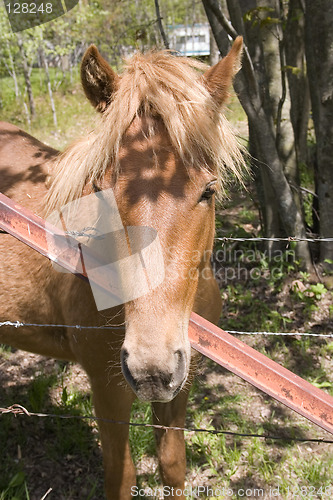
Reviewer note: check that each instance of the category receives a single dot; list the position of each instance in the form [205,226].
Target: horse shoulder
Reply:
[25,164]
[25,287]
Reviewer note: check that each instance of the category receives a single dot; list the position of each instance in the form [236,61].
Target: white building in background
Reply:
[193,40]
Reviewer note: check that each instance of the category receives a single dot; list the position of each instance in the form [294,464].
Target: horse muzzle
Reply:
[153,383]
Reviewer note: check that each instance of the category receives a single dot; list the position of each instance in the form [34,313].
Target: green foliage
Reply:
[250,269]
[38,392]
[267,464]
[5,350]
[116,30]
[16,489]
[309,295]
[71,436]
[247,312]
[74,112]
[261,16]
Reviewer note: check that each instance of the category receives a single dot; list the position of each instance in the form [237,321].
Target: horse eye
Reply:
[95,187]
[208,193]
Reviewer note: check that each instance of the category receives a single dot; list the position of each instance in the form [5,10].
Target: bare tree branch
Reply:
[160,26]
[214,7]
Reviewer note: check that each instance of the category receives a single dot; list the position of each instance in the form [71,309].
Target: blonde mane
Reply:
[156,84]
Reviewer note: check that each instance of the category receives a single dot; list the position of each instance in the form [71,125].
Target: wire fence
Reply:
[17,409]
[19,324]
[288,239]
[232,238]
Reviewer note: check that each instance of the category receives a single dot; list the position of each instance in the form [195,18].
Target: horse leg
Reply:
[171,444]
[113,401]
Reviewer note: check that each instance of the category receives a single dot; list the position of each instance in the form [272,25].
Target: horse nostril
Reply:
[124,356]
[179,372]
[180,360]
[124,366]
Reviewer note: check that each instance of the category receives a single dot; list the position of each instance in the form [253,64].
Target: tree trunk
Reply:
[262,126]
[319,56]
[11,70]
[46,68]
[297,78]
[264,51]
[271,222]
[278,98]
[27,78]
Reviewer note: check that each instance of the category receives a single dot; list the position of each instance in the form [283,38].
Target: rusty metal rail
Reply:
[239,358]
[38,234]
[265,374]
[51,242]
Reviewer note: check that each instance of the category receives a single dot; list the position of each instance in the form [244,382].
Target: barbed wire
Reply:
[17,409]
[288,334]
[288,239]
[18,324]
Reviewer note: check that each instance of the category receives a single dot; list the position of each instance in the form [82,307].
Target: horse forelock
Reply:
[161,85]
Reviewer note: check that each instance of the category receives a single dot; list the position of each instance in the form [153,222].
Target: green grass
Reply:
[49,441]
[16,489]
[236,463]
[142,443]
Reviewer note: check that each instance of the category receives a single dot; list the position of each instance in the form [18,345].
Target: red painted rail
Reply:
[249,364]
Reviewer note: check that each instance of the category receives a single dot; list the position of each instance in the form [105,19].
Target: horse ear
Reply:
[98,79]
[218,78]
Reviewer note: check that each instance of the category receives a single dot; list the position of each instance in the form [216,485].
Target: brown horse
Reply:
[164,147]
